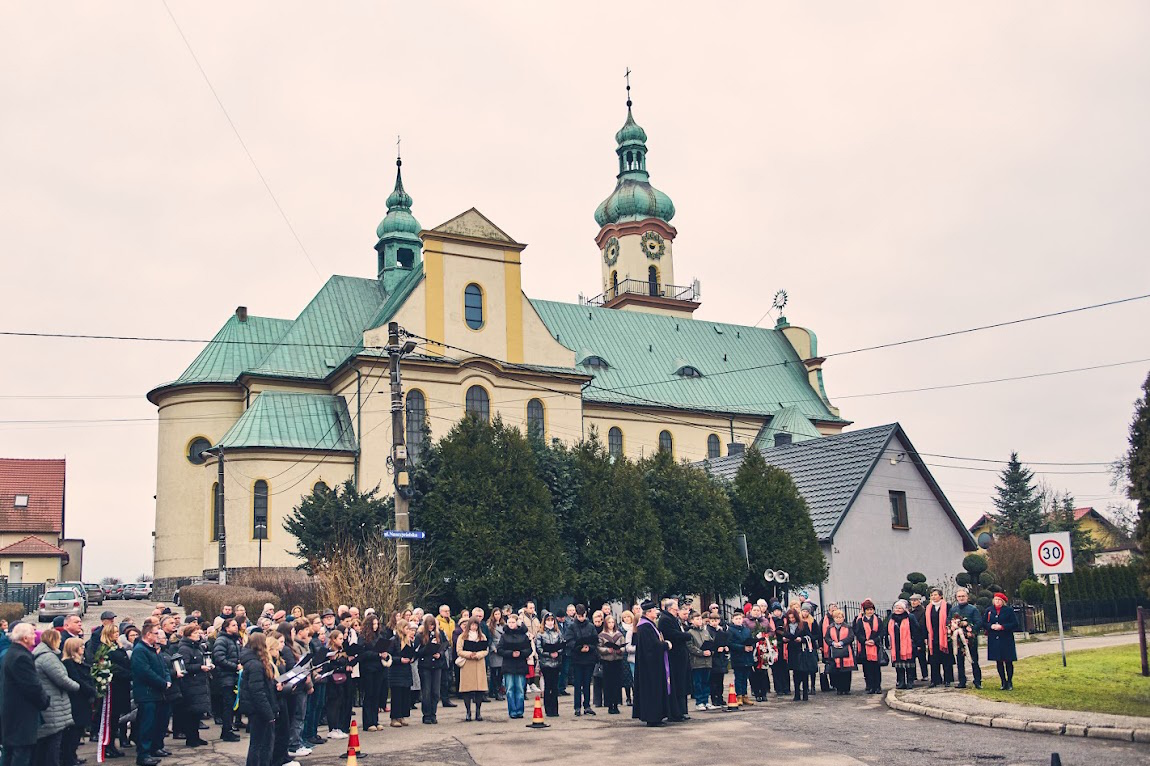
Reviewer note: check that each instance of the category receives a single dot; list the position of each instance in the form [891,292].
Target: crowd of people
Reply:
[283,676]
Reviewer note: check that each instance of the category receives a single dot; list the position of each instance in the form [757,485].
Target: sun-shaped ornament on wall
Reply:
[653,244]
[611,251]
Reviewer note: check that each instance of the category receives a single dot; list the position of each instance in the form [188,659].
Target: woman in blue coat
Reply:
[1000,626]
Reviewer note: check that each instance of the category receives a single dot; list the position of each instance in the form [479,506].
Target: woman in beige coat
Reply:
[472,649]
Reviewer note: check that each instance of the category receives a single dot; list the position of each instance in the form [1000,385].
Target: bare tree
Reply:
[1009,559]
[363,572]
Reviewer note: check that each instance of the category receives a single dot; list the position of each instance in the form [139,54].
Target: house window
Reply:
[477,403]
[195,450]
[615,442]
[473,306]
[596,363]
[20,501]
[713,447]
[898,518]
[260,511]
[535,418]
[666,443]
[687,371]
[215,511]
[416,418]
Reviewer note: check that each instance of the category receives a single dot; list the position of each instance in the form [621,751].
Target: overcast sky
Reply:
[900,169]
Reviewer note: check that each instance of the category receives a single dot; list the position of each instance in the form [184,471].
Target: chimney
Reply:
[736,448]
[782,439]
[242,313]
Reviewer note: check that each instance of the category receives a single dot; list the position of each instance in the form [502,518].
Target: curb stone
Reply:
[1015,724]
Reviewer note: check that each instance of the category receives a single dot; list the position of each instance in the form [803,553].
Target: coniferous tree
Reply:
[698,527]
[339,516]
[775,518]
[618,548]
[1060,518]
[1018,501]
[1136,462]
[491,535]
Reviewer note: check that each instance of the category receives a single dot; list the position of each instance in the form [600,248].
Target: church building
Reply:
[295,403]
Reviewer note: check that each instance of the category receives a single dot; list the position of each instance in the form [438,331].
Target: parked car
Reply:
[80,590]
[113,592]
[140,591]
[94,592]
[60,601]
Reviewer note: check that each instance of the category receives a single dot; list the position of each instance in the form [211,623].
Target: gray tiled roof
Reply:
[827,471]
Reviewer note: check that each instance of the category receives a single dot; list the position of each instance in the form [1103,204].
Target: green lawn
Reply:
[1098,680]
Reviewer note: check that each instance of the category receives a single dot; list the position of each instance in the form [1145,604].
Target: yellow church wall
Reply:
[633,262]
[689,431]
[181,487]
[36,568]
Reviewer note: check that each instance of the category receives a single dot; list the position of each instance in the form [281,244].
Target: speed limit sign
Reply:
[1050,553]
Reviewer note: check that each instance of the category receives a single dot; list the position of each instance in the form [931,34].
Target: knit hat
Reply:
[867,604]
[1002,596]
[901,602]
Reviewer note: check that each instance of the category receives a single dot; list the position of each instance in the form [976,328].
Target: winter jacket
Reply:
[722,657]
[547,643]
[581,634]
[426,659]
[738,637]
[400,673]
[23,697]
[612,646]
[257,691]
[194,685]
[226,658]
[473,673]
[81,699]
[150,674]
[698,637]
[56,684]
[1000,643]
[495,659]
[370,654]
[973,617]
[514,640]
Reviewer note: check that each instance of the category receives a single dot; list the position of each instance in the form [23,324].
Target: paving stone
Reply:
[1142,735]
[1005,722]
[1074,730]
[979,720]
[950,715]
[1106,732]
[1047,727]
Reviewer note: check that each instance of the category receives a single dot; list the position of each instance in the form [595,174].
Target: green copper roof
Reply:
[641,350]
[237,347]
[280,420]
[399,219]
[397,297]
[788,420]
[634,197]
[328,331]
[631,132]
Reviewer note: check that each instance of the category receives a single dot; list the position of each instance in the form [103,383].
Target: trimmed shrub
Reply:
[916,577]
[210,599]
[986,580]
[907,587]
[11,611]
[904,596]
[963,579]
[921,589]
[983,602]
[974,563]
[1032,592]
[291,587]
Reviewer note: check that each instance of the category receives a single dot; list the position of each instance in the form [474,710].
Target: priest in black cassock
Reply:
[680,660]
[652,682]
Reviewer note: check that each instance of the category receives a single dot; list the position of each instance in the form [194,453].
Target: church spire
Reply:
[399,246]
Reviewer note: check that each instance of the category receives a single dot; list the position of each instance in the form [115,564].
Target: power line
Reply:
[240,138]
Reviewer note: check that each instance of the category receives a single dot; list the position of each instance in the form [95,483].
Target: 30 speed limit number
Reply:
[1050,553]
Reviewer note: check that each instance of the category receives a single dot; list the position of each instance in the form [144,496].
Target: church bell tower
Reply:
[399,247]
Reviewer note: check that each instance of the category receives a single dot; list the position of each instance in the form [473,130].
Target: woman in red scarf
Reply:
[839,640]
[868,631]
[903,635]
[938,651]
[1000,626]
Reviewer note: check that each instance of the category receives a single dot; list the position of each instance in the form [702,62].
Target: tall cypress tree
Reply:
[698,527]
[1018,501]
[1137,464]
[775,518]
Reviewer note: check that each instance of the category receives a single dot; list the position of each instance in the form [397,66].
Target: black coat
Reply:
[150,673]
[802,648]
[651,683]
[226,657]
[516,640]
[81,698]
[23,697]
[680,659]
[121,681]
[194,685]
[399,674]
[257,691]
[370,654]
[1000,643]
[427,660]
[580,634]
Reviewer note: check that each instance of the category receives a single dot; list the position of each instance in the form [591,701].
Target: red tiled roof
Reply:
[1080,512]
[43,482]
[32,546]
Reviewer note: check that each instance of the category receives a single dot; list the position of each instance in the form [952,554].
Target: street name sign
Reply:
[415,534]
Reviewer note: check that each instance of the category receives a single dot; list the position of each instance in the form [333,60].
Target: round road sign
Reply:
[1051,553]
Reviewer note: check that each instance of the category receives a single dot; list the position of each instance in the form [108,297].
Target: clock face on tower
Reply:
[653,244]
[611,251]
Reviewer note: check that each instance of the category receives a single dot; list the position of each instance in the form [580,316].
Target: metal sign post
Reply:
[1050,555]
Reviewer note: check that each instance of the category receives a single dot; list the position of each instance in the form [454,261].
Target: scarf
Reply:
[901,644]
[870,629]
[842,634]
[937,639]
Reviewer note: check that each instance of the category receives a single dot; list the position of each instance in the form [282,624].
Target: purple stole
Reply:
[666,658]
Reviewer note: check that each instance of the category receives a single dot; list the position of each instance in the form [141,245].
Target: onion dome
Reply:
[399,219]
[634,197]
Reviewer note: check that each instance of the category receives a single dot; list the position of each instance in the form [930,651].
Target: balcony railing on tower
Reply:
[648,288]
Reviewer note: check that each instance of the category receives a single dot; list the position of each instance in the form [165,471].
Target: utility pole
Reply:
[395,353]
[223,563]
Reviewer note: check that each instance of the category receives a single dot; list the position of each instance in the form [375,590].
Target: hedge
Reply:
[11,611]
[210,599]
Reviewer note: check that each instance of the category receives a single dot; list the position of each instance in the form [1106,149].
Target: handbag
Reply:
[460,661]
[883,656]
[338,678]
[598,671]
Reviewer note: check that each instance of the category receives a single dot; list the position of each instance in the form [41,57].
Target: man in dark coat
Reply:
[680,661]
[583,646]
[226,658]
[969,612]
[918,612]
[150,681]
[23,698]
[652,684]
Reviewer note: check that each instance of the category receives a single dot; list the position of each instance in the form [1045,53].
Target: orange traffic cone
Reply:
[537,716]
[732,699]
[352,743]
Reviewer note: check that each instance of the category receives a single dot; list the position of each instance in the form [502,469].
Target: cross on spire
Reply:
[398,151]
[627,76]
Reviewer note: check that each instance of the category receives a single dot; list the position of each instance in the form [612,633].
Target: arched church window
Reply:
[666,443]
[260,510]
[713,446]
[406,257]
[614,283]
[416,416]
[652,280]
[215,511]
[477,403]
[615,442]
[535,418]
[473,306]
